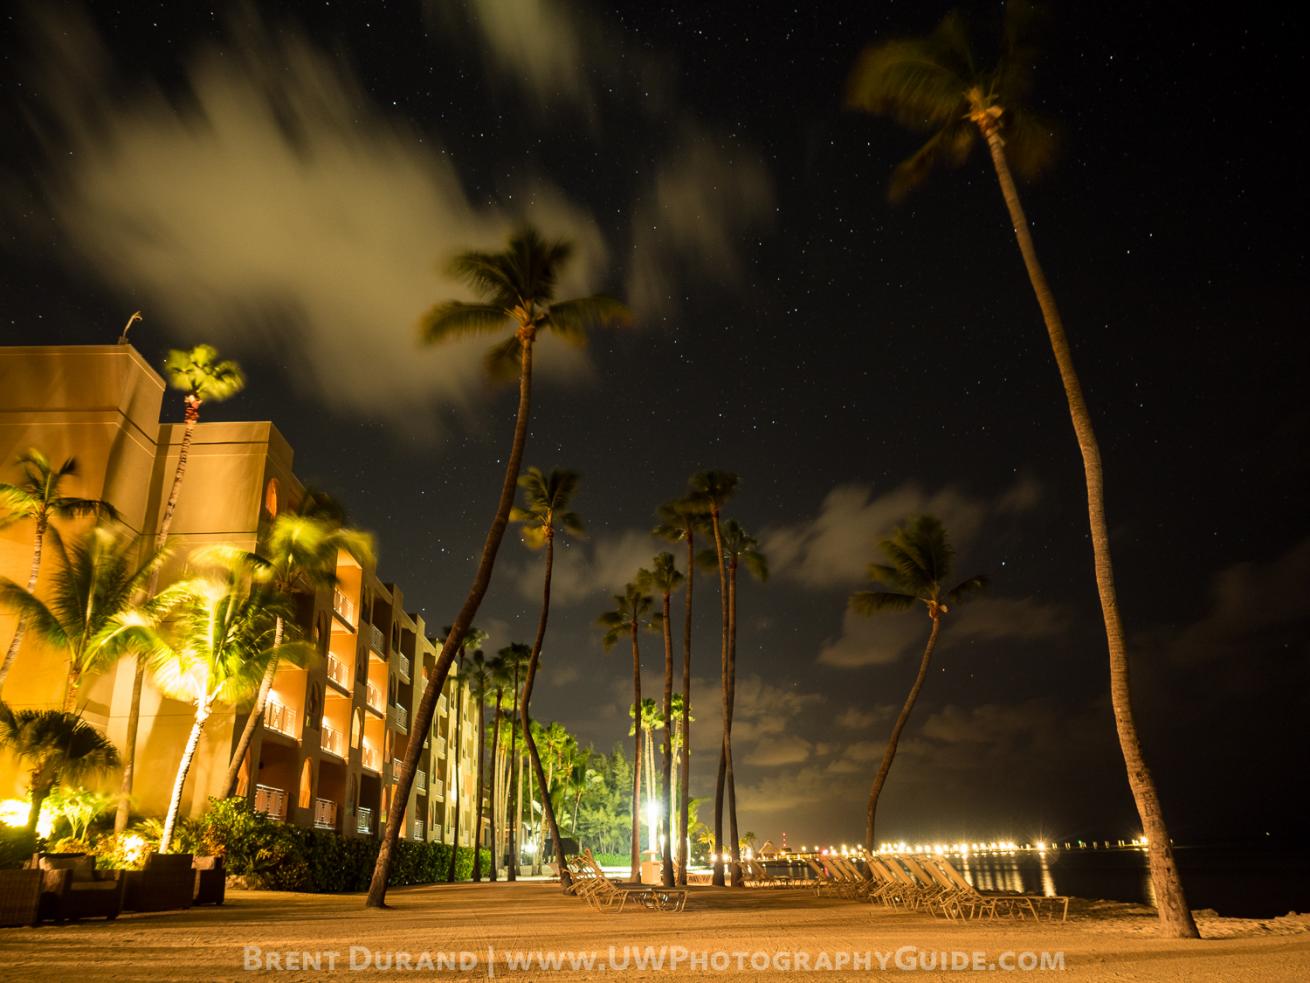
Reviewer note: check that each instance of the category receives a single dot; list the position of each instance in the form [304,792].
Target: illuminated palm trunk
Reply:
[183,769]
[478,813]
[684,807]
[636,755]
[666,781]
[38,545]
[459,714]
[255,718]
[724,747]
[493,833]
[729,701]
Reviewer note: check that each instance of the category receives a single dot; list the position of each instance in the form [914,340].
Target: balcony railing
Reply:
[332,740]
[271,801]
[279,718]
[338,671]
[395,769]
[441,747]
[369,758]
[343,606]
[441,705]
[325,814]
[418,829]
[364,820]
[373,696]
[437,790]
[377,641]
[403,662]
[421,780]
[400,718]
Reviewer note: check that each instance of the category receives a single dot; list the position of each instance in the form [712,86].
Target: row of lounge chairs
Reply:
[68,887]
[924,881]
[590,883]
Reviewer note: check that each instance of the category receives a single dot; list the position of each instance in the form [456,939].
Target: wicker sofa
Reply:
[73,889]
[166,882]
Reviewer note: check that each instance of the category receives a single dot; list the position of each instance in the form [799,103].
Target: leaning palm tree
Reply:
[54,746]
[663,578]
[934,83]
[679,521]
[516,289]
[713,489]
[38,497]
[918,571]
[480,683]
[546,513]
[474,639]
[218,644]
[91,618]
[630,615]
[204,378]
[301,549]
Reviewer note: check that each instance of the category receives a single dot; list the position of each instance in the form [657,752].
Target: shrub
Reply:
[16,846]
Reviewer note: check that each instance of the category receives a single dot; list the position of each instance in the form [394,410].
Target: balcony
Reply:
[373,697]
[441,705]
[279,718]
[403,664]
[436,791]
[332,741]
[396,764]
[370,759]
[421,780]
[441,747]
[338,672]
[418,829]
[377,641]
[399,718]
[364,820]
[271,801]
[325,814]
[343,607]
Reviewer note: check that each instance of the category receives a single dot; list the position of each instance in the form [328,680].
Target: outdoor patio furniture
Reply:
[211,880]
[20,897]
[167,881]
[968,902]
[81,891]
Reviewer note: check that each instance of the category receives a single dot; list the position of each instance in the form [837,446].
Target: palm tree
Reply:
[204,378]
[37,497]
[680,807]
[301,550]
[932,83]
[651,721]
[517,293]
[918,570]
[713,489]
[54,746]
[91,618]
[515,658]
[480,680]
[497,671]
[663,578]
[679,521]
[474,639]
[220,641]
[631,613]
[545,513]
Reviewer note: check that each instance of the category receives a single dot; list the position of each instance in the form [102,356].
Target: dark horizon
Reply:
[286,188]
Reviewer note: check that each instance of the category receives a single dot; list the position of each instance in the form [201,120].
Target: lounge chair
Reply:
[166,882]
[82,891]
[210,881]
[968,902]
[591,884]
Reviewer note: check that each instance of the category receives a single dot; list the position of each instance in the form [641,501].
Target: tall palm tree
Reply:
[516,289]
[301,549]
[918,571]
[682,719]
[217,647]
[54,746]
[204,378]
[651,721]
[474,639]
[546,512]
[38,496]
[630,615]
[679,521]
[713,489]
[515,658]
[91,618]
[934,83]
[497,670]
[480,681]
[663,578]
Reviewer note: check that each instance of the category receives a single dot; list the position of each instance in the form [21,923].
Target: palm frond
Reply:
[503,362]
[573,319]
[870,602]
[966,589]
[40,619]
[455,318]
[908,81]
[948,147]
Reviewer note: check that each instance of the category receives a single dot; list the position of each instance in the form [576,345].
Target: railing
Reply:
[400,718]
[343,606]
[421,780]
[279,718]
[377,641]
[441,704]
[369,758]
[271,801]
[437,791]
[373,696]
[333,741]
[441,747]
[364,820]
[404,667]
[338,671]
[325,814]
[418,829]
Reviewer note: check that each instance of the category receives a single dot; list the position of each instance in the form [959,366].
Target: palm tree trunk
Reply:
[492,836]
[889,753]
[254,720]
[666,783]
[636,757]
[40,791]
[1175,917]
[684,813]
[482,750]
[190,418]
[377,891]
[718,878]
[515,788]
[547,808]
[38,545]
[183,768]
[459,719]
[729,777]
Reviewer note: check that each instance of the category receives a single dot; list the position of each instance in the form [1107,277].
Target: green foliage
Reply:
[77,807]
[200,373]
[16,846]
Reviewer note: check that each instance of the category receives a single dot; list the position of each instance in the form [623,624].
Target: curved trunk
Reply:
[666,782]
[718,878]
[636,757]
[38,545]
[547,807]
[477,809]
[377,891]
[190,418]
[183,768]
[459,721]
[731,700]
[684,807]
[889,753]
[1175,917]
[255,718]
[492,838]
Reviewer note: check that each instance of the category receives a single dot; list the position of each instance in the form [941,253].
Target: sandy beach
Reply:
[479,931]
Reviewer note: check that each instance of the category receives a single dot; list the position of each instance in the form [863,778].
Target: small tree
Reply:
[55,747]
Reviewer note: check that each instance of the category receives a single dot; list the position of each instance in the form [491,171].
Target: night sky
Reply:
[287,184]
